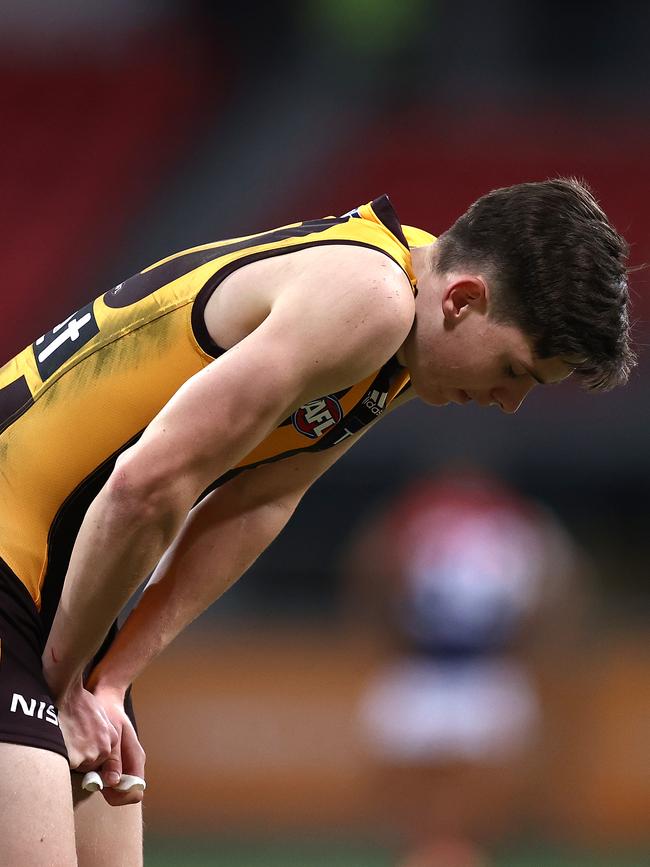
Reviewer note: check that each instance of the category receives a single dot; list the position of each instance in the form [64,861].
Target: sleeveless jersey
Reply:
[82,393]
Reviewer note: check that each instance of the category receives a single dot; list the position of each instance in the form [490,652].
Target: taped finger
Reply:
[92,782]
[128,782]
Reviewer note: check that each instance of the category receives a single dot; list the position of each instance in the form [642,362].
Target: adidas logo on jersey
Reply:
[32,707]
[375,401]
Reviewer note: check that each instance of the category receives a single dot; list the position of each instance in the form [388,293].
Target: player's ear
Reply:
[464,292]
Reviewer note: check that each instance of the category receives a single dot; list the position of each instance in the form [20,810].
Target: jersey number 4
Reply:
[55,348]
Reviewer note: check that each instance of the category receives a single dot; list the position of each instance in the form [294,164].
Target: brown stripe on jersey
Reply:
[141,285]
[15,399]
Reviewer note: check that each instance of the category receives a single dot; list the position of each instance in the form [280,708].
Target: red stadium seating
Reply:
[433,163]
[84,142]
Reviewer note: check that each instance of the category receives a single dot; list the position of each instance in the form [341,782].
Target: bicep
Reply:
[288,478]
[271,492]
[311,343]
[291,477]
[213,420]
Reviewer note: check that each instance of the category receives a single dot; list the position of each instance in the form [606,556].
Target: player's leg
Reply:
[36,821]
[106,836]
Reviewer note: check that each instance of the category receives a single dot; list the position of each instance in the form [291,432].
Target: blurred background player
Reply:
[471,580]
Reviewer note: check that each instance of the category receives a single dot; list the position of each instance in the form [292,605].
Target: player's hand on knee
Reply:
[89,735]
[131,786]
[123,771]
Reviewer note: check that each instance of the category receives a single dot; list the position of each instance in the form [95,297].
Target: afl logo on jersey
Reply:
[313,419]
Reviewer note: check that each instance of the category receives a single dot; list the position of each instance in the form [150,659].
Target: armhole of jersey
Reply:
[199,328]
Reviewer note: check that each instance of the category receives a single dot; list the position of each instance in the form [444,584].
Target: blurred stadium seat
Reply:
[86,140]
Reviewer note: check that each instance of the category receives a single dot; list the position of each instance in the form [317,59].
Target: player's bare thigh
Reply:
[36,819]
[106,836]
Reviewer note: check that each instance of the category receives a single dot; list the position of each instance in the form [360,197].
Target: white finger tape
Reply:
[128,782]
[92,782]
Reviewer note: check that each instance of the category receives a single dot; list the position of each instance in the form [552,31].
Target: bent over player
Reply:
[172,425]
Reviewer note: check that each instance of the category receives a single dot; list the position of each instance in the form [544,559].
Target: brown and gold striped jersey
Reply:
[72,401]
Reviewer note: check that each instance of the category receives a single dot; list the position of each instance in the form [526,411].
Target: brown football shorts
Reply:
[28,714]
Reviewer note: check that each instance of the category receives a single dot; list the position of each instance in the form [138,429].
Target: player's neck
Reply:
[422,260]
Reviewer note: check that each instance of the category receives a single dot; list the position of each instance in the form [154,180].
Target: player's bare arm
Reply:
[323,332]
[221,538]
[219,541]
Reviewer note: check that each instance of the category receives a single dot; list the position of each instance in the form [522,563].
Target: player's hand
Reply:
[127,755]
[90,736]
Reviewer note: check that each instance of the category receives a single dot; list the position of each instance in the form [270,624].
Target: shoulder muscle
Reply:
[343,317]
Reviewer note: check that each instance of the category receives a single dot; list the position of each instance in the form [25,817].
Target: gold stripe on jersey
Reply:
[71,402]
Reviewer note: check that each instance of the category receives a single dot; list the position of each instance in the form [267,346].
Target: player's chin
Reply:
[436,398]
[435,394]
[454,395]
[428,395]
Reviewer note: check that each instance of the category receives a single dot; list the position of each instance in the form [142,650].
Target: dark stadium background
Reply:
[135,129]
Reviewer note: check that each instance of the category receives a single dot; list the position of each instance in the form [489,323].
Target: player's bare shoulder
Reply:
[375,280]
[337,288]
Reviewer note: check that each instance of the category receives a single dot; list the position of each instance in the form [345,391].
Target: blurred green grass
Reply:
[160,852]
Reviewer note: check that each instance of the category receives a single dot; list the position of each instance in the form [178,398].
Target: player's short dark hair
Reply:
[559,270]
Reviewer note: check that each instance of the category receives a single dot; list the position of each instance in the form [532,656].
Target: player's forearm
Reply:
[221,538]
[129,527]
[119,543]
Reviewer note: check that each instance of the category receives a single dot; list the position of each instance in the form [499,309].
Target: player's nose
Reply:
[512,397]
